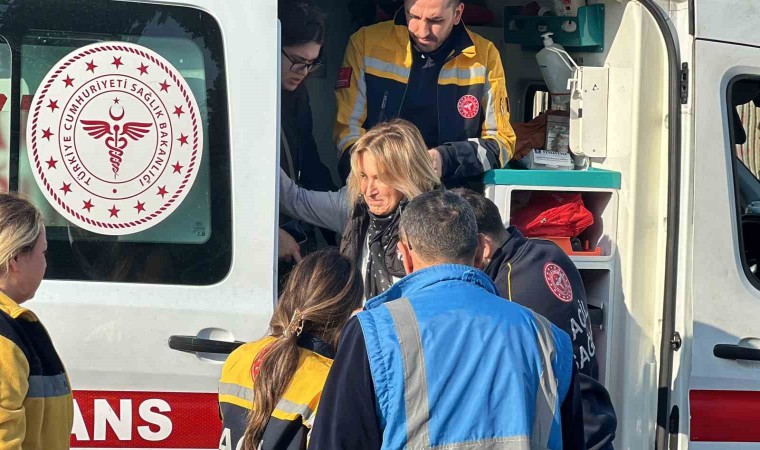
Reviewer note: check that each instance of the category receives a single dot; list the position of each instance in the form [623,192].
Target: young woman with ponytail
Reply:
[270,389]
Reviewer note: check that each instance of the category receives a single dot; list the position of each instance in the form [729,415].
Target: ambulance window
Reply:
[744,121]
[193,244]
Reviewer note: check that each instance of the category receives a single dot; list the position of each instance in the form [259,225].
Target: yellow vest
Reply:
[36,405]
[298,404]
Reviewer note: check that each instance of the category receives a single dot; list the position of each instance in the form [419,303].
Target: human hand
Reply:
[437,159]
[287,248]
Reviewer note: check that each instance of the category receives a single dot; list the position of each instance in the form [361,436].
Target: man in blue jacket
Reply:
[537,274]
[440,360]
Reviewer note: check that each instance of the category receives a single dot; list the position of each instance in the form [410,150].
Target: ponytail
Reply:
[319,297]
[278,365]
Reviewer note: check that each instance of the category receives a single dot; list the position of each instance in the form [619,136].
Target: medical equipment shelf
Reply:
[599,189]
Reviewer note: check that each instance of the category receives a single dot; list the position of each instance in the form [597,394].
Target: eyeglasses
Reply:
[298,66]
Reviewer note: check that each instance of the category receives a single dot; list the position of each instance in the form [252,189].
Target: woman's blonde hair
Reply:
[319,297]
[20,227]
[401,156]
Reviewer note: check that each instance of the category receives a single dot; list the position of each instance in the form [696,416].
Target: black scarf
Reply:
[381,234]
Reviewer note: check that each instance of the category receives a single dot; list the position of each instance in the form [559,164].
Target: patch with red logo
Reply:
[344,78]
[558,283]
[3,99]
[115,138]
[468,106]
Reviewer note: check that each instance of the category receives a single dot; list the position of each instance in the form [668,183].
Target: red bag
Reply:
[553,214]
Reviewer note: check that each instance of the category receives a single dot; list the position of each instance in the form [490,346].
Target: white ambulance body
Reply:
[143,321]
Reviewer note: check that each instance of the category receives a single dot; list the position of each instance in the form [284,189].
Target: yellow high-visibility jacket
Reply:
[472,117]
[36,405]
[293,417]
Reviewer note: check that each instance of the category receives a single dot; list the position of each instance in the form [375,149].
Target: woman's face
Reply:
[380,198]
[293,57]
[30,269]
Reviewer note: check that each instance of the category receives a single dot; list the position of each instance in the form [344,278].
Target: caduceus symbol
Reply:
[116,136]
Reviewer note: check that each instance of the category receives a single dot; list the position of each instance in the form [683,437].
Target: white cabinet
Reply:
[599,190]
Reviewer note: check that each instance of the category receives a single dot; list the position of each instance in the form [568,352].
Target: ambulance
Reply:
[148,133]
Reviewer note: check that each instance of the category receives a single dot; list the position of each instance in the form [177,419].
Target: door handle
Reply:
[733,351]
[192,344]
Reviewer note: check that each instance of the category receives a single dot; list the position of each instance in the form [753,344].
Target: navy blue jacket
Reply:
[537,274]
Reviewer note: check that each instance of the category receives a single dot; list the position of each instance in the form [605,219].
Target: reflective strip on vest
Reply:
[416,388]
[482,154]
[468,73]
[355,120]
[491,125]
[236,391]
[386,67]
[415,378]
[546,399]
[42,386]
[283,405]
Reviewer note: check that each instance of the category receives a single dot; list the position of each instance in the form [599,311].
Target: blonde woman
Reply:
[270,389]
[390,165]
[36,407]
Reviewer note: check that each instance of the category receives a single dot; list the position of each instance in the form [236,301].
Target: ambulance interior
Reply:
[618,122]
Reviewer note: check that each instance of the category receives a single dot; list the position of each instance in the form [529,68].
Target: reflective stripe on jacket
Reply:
[474,132]
[456,366]
[293,415]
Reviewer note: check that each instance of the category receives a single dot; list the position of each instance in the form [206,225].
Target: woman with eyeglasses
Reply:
[303,34]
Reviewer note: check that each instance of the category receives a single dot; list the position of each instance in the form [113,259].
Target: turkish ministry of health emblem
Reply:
[468,106]
[114,138]
[558,283]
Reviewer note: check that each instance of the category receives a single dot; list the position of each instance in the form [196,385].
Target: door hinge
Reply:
[675,341]
[684,83]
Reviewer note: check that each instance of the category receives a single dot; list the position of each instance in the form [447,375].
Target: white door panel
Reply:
[725,303]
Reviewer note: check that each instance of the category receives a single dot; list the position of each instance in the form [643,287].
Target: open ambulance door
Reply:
[722,365]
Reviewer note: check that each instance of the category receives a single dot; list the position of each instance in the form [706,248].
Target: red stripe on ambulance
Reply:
[122,419]
[724,416]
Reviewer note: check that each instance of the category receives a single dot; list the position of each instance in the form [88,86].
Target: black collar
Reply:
[315,344]
[506,252]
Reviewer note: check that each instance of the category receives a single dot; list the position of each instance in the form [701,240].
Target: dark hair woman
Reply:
[270,388]
[303,34]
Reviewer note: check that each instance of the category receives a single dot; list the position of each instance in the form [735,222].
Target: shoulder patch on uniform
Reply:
[344,78]
[558,283]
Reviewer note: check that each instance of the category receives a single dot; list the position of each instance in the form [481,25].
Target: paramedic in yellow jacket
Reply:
[426,67]
[270,389]
[36,407]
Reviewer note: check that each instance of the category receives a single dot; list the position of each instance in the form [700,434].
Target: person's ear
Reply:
[13,264]
[405,253]
[484,247]
[458,13]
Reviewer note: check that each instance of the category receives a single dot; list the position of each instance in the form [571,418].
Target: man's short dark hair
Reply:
[486,214]
[440,227]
